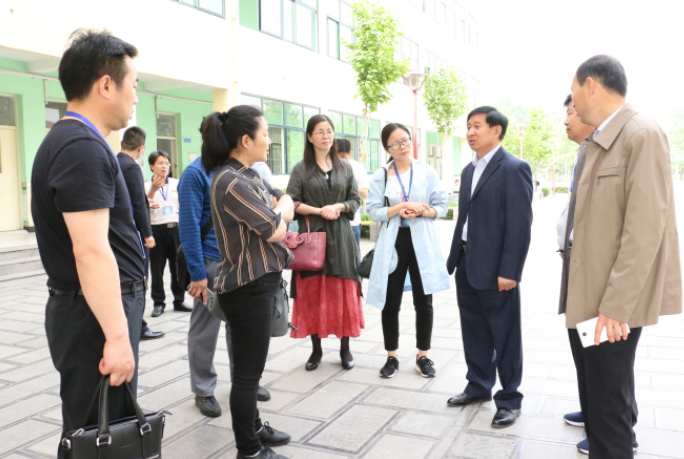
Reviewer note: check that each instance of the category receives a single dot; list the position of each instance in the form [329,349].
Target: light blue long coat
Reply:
[428,189]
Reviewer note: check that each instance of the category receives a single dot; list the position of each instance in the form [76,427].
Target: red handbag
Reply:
[308,249]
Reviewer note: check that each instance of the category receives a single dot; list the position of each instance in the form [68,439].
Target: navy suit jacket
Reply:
[499,221]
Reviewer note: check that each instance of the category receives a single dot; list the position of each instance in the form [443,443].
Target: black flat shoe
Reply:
[208,406]
[157,311]
[263,395]
[181,307]
[505,417]
[265,453]
[271,437]
[465,399]
[311,366]
[149,334]
[347,364]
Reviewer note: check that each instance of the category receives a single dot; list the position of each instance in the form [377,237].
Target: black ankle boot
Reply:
[316,354]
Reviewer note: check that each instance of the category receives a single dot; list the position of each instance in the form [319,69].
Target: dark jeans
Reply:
[395,291]
[166,241]
[492,340]
[249,310]
[76,341]
[605,379]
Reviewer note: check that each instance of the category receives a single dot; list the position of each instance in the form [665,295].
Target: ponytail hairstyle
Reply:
[387,131]
[222,133]
[310,152]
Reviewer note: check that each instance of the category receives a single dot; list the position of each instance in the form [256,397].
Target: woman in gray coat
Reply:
[326,302]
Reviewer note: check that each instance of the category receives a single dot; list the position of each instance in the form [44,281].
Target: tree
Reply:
[538,139]
[446,99]
[375,36]
[675,136]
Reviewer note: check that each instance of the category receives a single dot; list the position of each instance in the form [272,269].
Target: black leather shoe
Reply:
[465,399]
[271,437]
[265,453]
[208,406]
[181,307]
[347,364]
[263,395]
[157,311]
[149,334]
[505,417]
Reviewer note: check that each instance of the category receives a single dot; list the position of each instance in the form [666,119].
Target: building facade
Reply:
[285,56]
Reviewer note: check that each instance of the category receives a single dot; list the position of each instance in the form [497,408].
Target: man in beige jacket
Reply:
[624,264]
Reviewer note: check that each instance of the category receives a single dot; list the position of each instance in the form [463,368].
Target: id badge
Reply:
[168,209]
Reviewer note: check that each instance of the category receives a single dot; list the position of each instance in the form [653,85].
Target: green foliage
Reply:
[675,135]
[366,218]
[562,189]
[546,191]
[375,35]
[449,215]
[446,99]
[365,232]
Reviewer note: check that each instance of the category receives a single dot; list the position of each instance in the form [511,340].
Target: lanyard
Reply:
[161,191]
[406,196]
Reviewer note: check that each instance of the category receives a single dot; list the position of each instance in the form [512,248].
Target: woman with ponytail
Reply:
[327,302]
[250,219]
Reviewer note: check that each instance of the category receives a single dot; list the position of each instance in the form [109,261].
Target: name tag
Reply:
[168,209]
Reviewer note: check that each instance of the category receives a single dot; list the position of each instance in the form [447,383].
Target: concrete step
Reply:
[22,275]
[14,253]
[20,265]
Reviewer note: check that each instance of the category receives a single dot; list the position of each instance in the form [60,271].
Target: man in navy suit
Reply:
[488,251]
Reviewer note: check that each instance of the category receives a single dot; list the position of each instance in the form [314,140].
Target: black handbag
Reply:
[367,263]
[280,323]
[134,437]
[182,273]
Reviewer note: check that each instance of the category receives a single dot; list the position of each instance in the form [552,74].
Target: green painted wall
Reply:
[433,138]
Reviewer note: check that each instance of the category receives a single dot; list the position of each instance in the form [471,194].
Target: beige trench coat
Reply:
[625,254]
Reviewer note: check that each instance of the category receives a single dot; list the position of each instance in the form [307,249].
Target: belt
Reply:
[126,289]
[167,225]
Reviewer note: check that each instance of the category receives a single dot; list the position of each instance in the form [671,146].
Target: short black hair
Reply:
[91,55]
[568,101]
[494,118]
[133,138]
[605,69]
[154,156]
[343,146]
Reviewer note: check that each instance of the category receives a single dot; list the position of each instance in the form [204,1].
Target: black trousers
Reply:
[166,241]
[249,310]
[395,291]
[605,379]
[76,341]
[492,340]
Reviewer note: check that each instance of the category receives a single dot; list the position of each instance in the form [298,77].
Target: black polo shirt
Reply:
[76,171]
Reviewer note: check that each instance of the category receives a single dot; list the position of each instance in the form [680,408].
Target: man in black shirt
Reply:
[132,148]
[86,235]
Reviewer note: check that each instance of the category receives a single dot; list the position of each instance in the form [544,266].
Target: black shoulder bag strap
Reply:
[385,195]
[207,227]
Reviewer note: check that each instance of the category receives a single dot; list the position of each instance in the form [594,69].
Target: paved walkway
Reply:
[334,414]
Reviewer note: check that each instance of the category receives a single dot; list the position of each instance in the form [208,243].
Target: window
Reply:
[7,112]
[290,20]
[429,8]
[166,139]
[460,22]
[350,127]
[473,33]
[54,111]
[407,50]
[441,12]
[210,6]
[473,90]
[286,128]
[340,25]
[432,63]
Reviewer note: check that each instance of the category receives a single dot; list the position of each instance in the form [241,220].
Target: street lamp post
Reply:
[521,131]
[415,80]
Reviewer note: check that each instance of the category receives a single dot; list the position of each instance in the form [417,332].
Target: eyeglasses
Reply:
[398,145]
[324,133]
[162,164]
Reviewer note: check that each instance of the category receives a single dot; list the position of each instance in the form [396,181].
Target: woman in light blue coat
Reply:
[406,196]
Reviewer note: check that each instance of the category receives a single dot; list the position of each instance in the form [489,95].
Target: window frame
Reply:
[339,23]
[287,168]
[314,23]
[358,120]
[195,5]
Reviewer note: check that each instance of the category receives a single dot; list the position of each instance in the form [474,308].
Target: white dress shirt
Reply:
[170,192]
[603,125]
[480,165]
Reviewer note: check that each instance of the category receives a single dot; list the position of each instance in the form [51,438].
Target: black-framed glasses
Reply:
[398,145]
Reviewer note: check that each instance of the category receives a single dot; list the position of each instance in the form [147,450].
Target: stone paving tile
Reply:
[328,400]
[394,446]
[302,381]
[660,442]
[25,432]
[398,398]
[200,442]
[422,424]
[31,356]
[537,450]
[531,427]
[26,408]
[482,447]
[48,446]
[28,371]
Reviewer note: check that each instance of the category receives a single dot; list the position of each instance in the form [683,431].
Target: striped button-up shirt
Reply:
[242,209]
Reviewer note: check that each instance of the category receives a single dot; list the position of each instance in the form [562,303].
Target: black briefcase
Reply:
[134,437]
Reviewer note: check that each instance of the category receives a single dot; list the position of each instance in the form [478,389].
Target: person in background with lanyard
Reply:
[162,191]
[408,242]
[132,148]
[86,235]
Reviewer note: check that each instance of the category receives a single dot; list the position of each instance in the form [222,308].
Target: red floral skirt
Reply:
[327,305]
